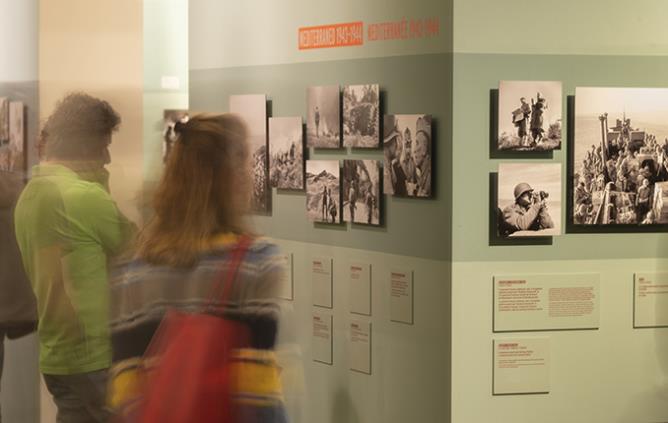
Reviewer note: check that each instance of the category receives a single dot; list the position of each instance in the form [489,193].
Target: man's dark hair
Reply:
[78,127]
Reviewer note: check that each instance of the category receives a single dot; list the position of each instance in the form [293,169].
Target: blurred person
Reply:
[18,313]
[67,228]
[200,207]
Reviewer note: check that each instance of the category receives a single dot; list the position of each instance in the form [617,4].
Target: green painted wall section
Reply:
[409,84]
[474,76]
[590,27]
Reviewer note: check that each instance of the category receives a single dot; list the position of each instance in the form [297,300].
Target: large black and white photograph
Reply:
[286,153]
[323,191]
[361,116]
[361,191]
[620,156]
[323,120]
[252,108]
[529,199]
[170,118]
[12,152]
[407,162]
[529,115]
[4,121]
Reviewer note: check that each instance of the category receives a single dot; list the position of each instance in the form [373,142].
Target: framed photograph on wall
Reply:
[361,116]
[529,115]
[618,162]
[529,199]
[170,117]
[323,193]
[253,109]
[407,148]
[13,149]
[361,192]
[286,153]
[323,122]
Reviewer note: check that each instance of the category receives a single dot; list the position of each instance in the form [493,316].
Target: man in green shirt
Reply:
[67,227]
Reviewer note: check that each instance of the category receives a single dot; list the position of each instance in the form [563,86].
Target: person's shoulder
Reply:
[510,208]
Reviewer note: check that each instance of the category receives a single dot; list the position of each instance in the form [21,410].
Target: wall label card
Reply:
[521,366]
[287,290]
[360,346]
[360,288]
[322,338]
[650,300]
[321,270]
[546,302]
[401,296]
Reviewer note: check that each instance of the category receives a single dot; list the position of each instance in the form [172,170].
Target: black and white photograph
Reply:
[323,121]
[170,118]
[253,109]
[529,199]
[620,157]
[407,162]
[4,121]
[361,116]
[361,191]
[323,191]
[529,115]
[12,152]
[286,153]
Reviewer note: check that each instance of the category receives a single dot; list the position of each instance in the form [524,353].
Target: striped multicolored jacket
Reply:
[142,293]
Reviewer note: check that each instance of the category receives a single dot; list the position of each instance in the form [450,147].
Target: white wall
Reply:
[18,32]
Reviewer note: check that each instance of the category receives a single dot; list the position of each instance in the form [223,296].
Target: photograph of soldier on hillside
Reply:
[253,109]
[529,115]
[361,192]
[620,168]
[361,117]
[286,153]
[529,199]
[323,117]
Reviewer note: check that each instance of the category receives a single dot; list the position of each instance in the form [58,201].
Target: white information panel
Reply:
[546,302]
[521,366]
[287,284]
[360,288]
[322,338]
[401,296]
[650,300]
[360,346]
[321,269]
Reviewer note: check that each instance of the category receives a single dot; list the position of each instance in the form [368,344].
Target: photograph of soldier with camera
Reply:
[529,199]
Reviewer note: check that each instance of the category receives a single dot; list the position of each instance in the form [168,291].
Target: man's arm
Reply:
[521,222]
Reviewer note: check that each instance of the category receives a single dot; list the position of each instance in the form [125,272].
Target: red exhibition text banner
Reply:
[327,36]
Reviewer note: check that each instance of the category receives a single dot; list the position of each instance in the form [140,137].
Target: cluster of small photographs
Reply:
[620,166]
[280,162]
[529,115]
[12,135]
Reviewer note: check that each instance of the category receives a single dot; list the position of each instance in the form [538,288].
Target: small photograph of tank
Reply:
[170,118]
[286,153]
[361,192]
[323,117]
[620,158]
[361,116]
[529,115]
[529,199]
[407,155]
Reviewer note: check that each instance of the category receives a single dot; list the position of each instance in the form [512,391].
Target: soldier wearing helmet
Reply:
[528,213]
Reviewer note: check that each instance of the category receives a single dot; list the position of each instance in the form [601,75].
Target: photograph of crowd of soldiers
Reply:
[323,119]
[361,116]
[620,170]
[252,108]
[361,191]
[529,115]
[12,135]
[529,199]
[323,194]
[286,153]
[407,155]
